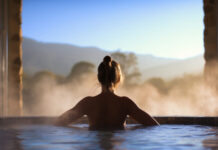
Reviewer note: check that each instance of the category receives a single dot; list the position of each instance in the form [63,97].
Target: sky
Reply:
[163,28]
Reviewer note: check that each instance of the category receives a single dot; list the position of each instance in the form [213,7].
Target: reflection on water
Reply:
[107,141]
[212,142]
[41,137]
[9,140]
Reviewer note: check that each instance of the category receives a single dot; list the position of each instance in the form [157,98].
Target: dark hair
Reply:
[109,72]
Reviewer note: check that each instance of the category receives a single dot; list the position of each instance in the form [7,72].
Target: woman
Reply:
[107,110]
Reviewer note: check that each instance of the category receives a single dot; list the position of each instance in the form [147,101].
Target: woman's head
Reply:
[109,73]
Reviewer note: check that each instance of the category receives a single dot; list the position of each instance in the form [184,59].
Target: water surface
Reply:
[135,137]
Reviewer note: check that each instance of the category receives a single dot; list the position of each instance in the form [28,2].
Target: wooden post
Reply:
[210,42]
[3,58]
[15,103]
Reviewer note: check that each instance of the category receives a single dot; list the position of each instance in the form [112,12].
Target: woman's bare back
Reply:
[106,111]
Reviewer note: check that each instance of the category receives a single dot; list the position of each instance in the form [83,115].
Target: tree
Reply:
[80,69]
[128,64]
[159,84]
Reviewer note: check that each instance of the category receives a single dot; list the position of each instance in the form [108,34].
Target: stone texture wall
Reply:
[14,58]
[210,41]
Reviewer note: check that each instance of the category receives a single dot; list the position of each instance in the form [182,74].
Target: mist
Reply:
[190,95]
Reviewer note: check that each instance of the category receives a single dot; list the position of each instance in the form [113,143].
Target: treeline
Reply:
[37,87]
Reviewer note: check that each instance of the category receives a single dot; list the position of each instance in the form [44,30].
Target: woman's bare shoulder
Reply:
[124,98]
[87,99]
[127,100]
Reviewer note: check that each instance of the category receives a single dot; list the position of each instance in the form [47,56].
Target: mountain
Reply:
[149,61]
[176,68]
[59,58]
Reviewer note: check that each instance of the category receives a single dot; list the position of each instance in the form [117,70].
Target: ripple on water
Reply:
[134,137]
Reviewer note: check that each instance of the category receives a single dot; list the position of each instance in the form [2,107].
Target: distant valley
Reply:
[59,58]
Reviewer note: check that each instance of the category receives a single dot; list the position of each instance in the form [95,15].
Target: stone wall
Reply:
[210,41]
[14,58]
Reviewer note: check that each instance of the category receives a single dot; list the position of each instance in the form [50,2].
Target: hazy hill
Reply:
[193,65]
[59,58]
[149,61]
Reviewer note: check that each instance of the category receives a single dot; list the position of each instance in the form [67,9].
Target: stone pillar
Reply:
[210,42]
[14,58]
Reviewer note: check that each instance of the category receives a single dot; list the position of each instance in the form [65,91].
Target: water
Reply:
[78,137]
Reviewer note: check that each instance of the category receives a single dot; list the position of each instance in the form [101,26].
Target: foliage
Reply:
[128,64]
[80,69]
[182,84]
[160,84]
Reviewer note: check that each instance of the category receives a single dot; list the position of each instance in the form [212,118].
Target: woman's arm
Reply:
[139,115]
[73,114]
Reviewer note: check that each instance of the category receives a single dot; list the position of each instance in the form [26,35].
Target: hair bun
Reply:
[107,59]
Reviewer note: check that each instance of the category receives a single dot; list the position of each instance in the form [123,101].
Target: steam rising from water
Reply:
[194,99]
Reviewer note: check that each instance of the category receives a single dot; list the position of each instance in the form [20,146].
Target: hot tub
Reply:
[38,133]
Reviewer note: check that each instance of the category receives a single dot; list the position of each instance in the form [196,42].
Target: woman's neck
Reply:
[107,89]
